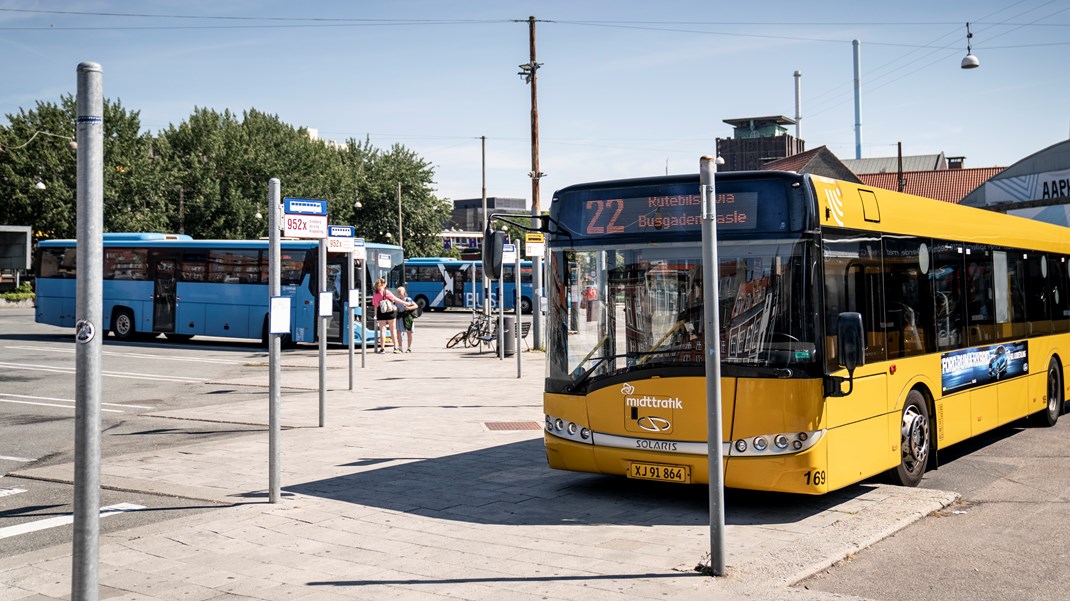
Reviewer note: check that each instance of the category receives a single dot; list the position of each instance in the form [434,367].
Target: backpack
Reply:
[387,308]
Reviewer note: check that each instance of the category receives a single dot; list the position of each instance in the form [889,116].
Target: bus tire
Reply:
[915,441]
[525,305]
[1050,415]
[122,324]
[422,302]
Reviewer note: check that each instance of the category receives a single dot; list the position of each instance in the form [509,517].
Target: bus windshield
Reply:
[640,307]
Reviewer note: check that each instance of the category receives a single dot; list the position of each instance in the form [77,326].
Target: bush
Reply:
[23,292]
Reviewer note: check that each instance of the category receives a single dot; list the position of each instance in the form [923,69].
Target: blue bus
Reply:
[174,285]
[439,283]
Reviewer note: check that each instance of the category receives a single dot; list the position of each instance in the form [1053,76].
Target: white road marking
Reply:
[62,520]
[7,492]
[18,459]
[14,402]
[113,374]
[134,355]
[48,398]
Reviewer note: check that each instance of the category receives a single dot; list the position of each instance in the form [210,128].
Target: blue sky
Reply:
[627,88]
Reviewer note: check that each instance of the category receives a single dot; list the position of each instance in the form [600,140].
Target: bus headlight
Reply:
[561,428]
[783,443]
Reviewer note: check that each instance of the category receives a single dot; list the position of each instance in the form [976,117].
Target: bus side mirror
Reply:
[851,350]
[852,345]
[493,242]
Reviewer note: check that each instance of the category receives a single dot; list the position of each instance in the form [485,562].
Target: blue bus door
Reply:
[162,269]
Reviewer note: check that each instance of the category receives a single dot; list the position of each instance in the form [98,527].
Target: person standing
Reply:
[406,316]
[386,312]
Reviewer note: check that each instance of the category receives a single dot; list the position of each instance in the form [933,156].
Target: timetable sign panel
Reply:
[336,244]
[360,251]
[304,206]
[305,226]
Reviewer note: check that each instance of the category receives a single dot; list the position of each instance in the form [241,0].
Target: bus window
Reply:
[853,275]
[980,315]
[1037,298]
[234,266]
[946,279]
[908,308]
[125,264]
[58,263]
[1059,291]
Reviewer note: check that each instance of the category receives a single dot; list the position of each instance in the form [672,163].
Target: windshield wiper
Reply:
[586,375]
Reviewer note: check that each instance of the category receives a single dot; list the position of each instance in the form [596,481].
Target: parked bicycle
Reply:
[479,328]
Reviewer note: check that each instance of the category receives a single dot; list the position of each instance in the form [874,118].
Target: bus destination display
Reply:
[735,211]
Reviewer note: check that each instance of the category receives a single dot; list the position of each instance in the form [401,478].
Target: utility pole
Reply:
[401,236]
[527,71]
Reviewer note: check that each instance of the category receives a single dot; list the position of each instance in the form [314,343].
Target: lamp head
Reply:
[970,62]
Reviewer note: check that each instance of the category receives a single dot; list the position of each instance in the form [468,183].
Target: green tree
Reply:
[35,148]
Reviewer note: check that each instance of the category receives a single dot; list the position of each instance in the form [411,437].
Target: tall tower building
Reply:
[756,141]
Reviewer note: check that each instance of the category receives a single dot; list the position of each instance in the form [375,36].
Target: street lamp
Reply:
[969,61]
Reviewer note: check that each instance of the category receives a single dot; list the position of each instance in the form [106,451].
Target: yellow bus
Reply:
[963,324]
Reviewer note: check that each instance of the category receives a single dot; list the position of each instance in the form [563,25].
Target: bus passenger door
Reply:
[164,268]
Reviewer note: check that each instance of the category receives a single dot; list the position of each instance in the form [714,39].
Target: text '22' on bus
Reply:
[174,285]
[955,320]
[440,283]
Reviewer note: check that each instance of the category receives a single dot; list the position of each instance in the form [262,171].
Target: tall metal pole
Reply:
[401,236]
[536,263]
[516,309]
[858,97]
[363,315]
[322,323]
[349,315]
[274,344]
[89,331]
[486,220]
[711,309]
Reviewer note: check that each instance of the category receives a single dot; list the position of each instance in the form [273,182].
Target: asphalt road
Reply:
[139,379]
[1006,539]
[37,418]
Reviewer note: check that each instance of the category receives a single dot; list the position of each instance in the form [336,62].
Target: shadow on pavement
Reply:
[511,485]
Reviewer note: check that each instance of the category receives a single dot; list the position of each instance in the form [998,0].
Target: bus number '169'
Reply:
[816,478]
[602,213]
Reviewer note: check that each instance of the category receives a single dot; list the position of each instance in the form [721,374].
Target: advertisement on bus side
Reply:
[977,366]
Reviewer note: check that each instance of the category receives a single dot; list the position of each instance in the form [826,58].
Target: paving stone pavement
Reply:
[408,493]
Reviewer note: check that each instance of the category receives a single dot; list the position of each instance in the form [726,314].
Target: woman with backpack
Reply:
[386,311]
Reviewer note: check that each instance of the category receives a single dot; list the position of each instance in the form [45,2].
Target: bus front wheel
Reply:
[525,305]
[1050,415]
[914,440]
[421,301]
[122,324]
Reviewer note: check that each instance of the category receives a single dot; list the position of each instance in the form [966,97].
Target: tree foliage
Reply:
[208,177]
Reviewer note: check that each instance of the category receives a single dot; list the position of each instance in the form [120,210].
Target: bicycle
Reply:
[478,328]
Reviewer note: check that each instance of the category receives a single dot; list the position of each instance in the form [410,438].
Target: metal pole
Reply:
[349,316]
[401,236]
[798,105]
[274,344]
[89,330]
[536,263]
[322,323]
[858,97]
[501,313]
[516,309]
[486,220]
[710,309]
[363,315]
